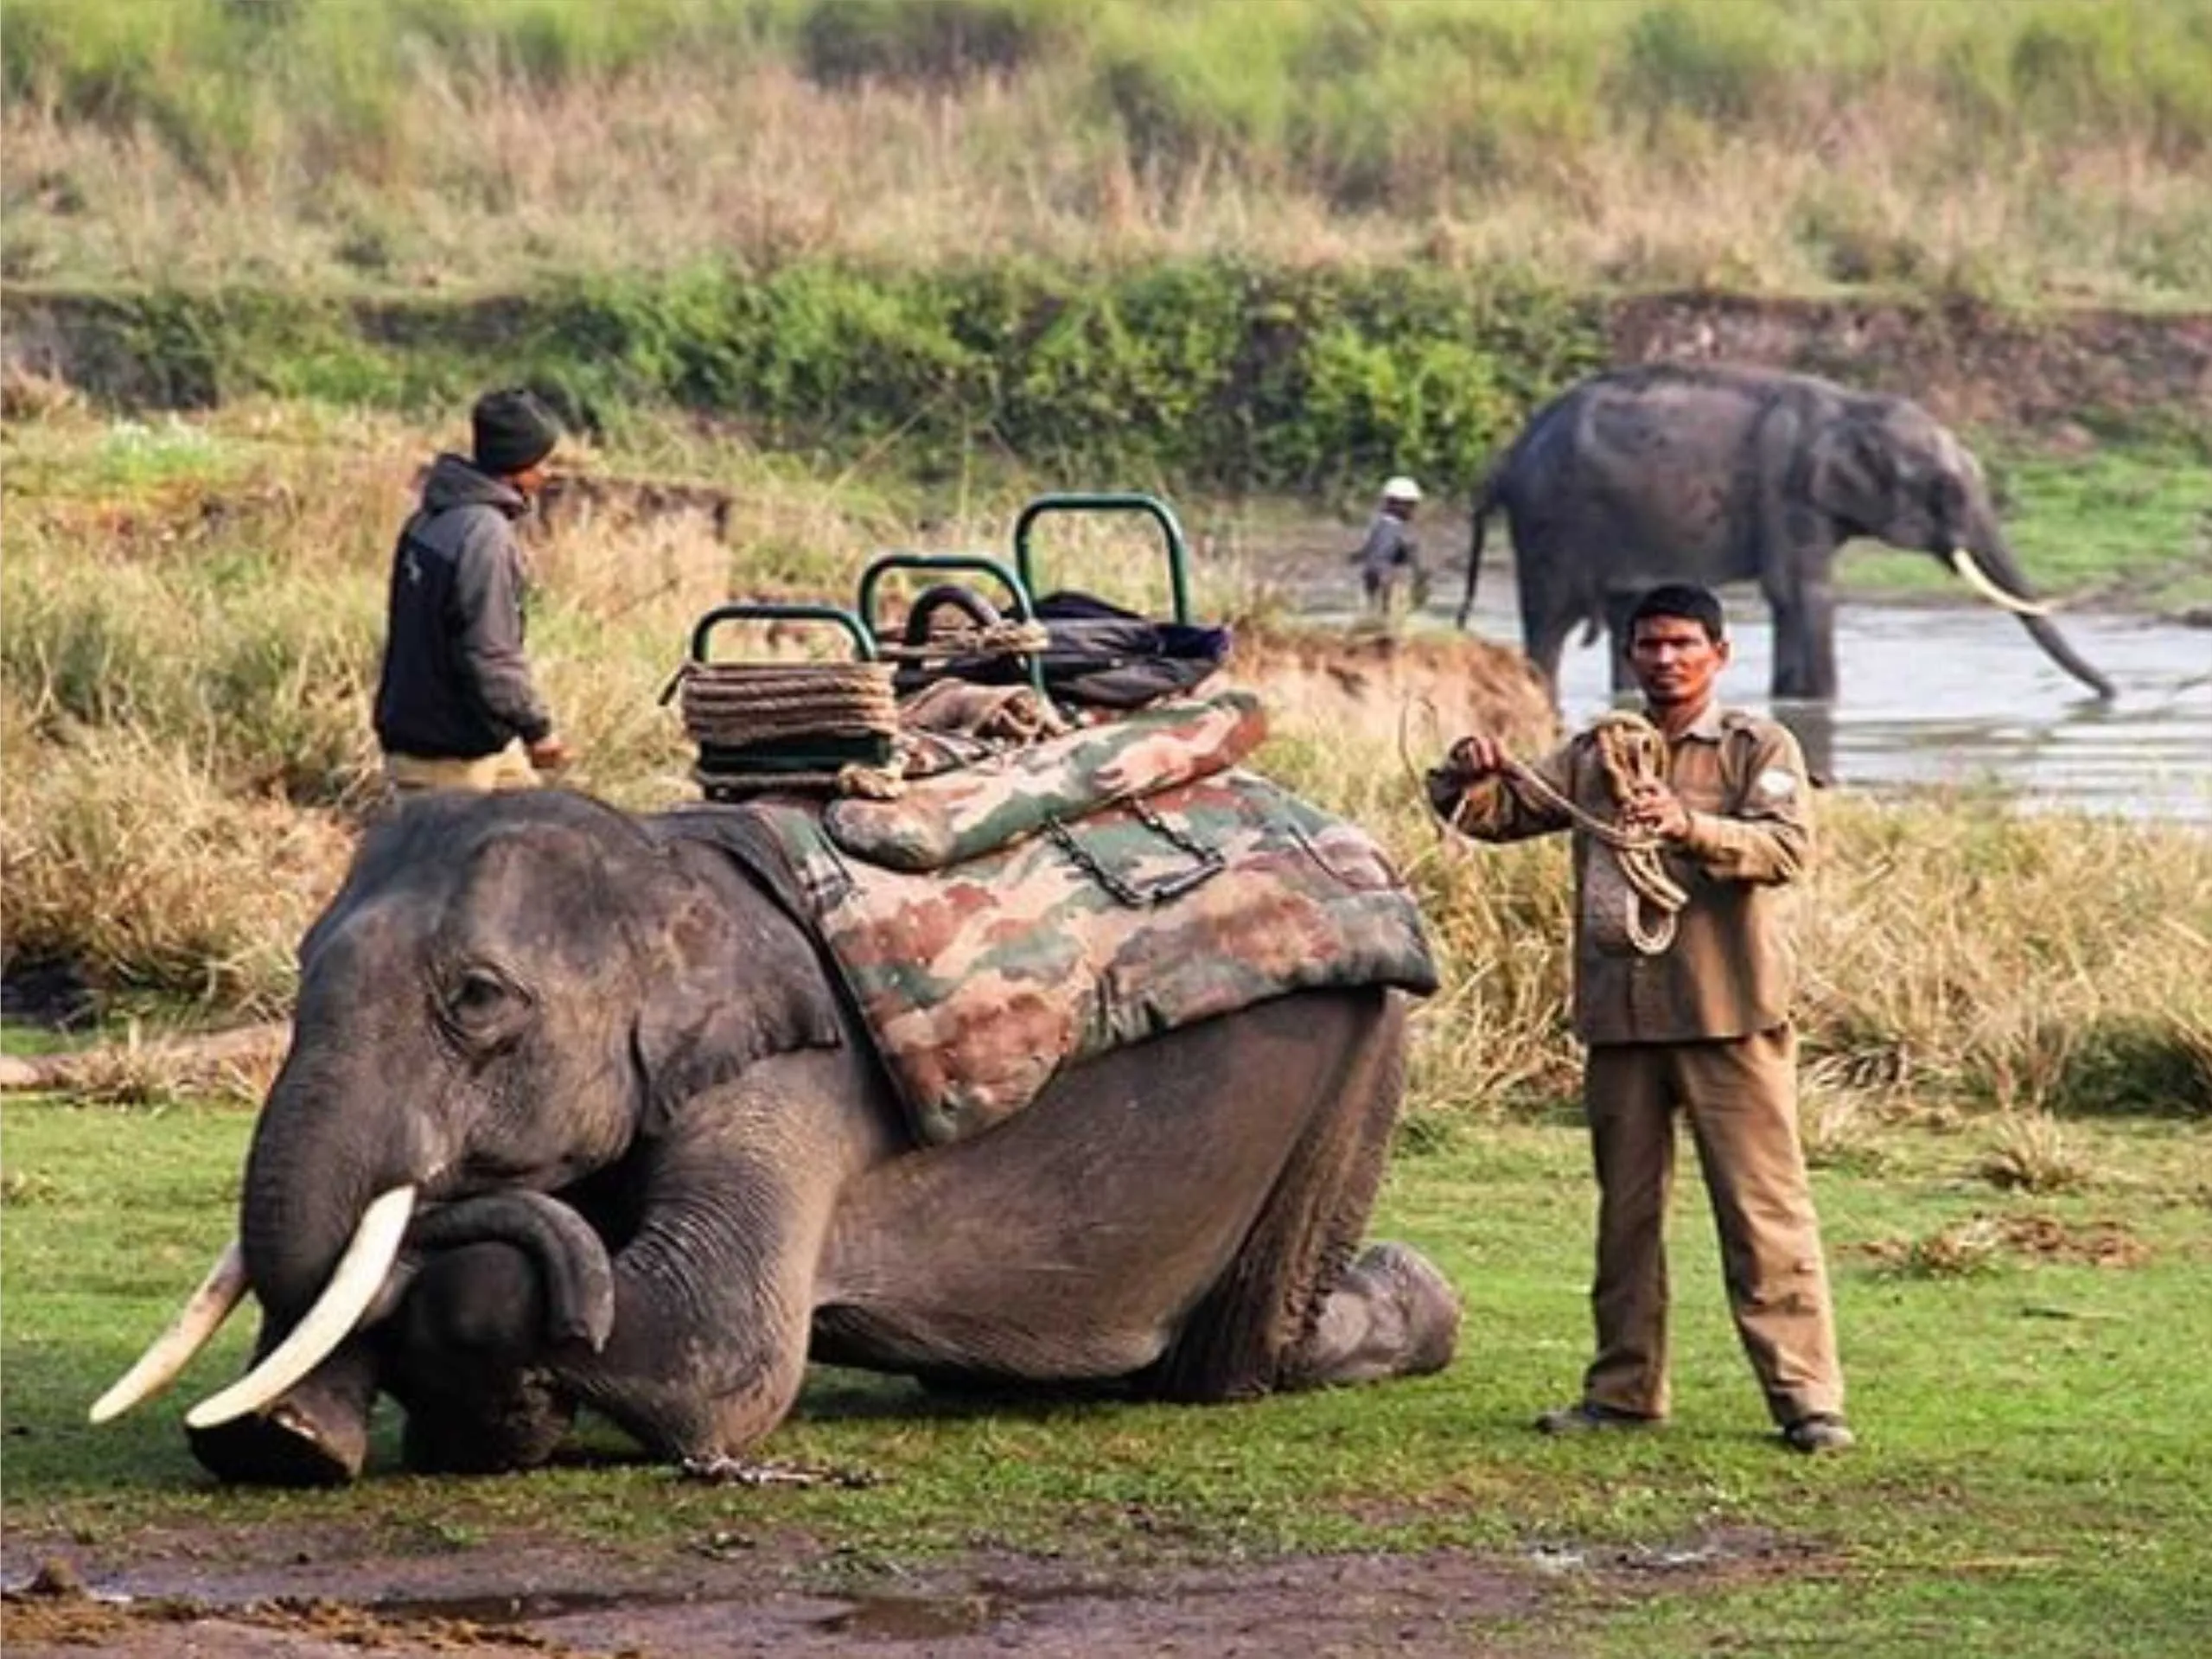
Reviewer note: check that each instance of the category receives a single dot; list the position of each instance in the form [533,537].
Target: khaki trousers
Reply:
[1740,1095]
[510,768]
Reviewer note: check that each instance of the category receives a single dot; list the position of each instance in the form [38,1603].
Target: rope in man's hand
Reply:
[1628,868]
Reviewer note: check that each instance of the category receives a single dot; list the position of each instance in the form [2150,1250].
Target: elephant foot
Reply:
[283,1446]
[519,1429]
[1391,1315]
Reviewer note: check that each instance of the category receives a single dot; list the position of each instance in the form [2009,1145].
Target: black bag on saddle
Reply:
[1102,656]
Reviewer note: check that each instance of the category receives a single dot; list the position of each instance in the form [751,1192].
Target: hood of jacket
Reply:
[454,482]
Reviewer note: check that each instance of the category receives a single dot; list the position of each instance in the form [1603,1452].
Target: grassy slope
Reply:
[2031,1482]
[2046,149]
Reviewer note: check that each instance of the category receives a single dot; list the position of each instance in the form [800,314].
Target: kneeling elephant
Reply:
[574,1116]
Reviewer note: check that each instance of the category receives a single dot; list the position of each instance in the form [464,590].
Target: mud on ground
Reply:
[1381,687]
[281,1594]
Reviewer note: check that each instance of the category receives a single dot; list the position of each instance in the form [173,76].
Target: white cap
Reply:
[1401,488]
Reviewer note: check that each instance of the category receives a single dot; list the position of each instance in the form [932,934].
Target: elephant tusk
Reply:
[1977,579]
[360,1275]
[170,1352]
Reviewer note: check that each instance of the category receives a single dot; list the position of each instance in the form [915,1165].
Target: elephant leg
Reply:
[1805,644]
[316,1435]
[714,1288]
[1244,1338]
[518,1424]
[1797,552]
[458,1357]
[1544,629]
[1543,648]
[1393,1314]
[1546,590]
[1620,605]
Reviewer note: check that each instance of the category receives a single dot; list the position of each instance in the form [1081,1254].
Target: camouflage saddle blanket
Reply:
[1023,919]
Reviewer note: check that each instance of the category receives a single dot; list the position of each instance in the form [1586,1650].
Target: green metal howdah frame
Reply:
[977,610]
[1019,583]
[768,611]
[1109,501]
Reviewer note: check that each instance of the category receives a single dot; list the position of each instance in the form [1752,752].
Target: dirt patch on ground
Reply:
[1981,1242]
[1428,688]
[296,1597]
[2094,1244]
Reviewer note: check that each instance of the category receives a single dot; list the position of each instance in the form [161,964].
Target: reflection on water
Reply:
[1959,695]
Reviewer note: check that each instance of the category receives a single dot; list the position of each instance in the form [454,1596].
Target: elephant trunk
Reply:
[361,1274]
[571,1257]
[1986,557]
[332,1189]
[579,1277]
[2055,645]
[318,1180]
[321,1154]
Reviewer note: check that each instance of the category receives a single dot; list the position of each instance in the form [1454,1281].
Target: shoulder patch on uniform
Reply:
[1778,782]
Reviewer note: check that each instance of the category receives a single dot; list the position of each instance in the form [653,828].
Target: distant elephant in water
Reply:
[1677,472]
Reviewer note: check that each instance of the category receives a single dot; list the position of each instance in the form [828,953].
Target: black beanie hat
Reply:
[513,431]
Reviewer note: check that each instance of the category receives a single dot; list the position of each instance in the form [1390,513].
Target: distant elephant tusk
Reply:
[170,1352]
[361,1274]
[1977,579]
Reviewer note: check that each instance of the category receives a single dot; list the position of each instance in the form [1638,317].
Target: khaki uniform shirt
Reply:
[1731,970]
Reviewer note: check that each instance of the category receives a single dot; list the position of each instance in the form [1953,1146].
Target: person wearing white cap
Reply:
[1390,560]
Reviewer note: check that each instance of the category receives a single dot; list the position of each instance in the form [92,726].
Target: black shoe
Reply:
[1821,1432]
[1584,1415]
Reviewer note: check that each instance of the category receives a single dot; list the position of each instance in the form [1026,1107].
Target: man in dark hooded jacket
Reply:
[455,706]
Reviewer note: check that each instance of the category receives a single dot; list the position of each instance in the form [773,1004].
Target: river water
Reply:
[1959,695]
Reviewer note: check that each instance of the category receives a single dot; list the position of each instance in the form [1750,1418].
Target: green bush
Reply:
[1205,372]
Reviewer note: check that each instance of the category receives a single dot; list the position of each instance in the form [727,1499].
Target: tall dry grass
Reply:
[193,618]
[2044,148]
[192,614]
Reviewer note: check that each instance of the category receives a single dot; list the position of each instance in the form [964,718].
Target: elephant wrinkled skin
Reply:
[656,1169]
[1690,473]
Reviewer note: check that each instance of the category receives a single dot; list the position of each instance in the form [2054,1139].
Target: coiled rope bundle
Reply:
[1004,638]
[832,727]
[1632,897]
[805,725]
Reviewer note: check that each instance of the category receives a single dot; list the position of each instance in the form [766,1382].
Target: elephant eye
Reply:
[482,1002]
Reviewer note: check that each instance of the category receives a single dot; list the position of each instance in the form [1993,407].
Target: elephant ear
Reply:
[729,980]
[1950,507]
[1852,475]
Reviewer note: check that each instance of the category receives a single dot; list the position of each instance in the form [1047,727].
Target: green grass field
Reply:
[2037,1419]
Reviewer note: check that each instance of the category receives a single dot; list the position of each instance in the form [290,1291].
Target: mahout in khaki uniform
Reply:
[1689,1015]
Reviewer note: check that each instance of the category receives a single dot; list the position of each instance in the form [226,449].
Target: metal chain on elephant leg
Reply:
[719,1469]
